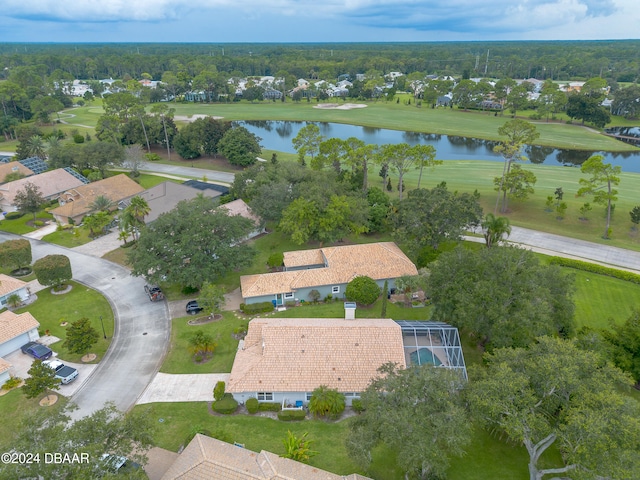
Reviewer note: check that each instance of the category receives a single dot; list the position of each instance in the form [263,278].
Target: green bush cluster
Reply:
[362,290]
[13,215]
[292,415]
[218,391]
[275,260]
[253,308]
[252,405]
[356,405]
[269,407]
[11,383]
[227,405]
[595,268]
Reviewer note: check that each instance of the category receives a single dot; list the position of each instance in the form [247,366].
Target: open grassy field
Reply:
[52,310]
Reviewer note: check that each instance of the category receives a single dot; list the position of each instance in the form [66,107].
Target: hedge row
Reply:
[252,405]
[253,308]
[292,415]
[595,268]
[269,407]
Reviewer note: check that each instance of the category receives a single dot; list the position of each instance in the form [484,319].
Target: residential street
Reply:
[189,172]
[141,337]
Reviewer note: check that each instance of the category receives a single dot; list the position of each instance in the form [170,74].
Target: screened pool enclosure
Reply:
[432,343]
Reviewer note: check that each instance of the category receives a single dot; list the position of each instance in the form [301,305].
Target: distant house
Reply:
[284,359]
[327,270]
[489,105]
[165,196]
[239,207]
[12,286]
[51,184]
[271,94]
[206,457]
[13,167]
[443,101]
[75,203]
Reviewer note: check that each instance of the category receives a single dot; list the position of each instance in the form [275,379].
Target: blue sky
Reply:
[219,21]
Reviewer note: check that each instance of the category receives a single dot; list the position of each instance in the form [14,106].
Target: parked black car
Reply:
[37,350]
[193,307]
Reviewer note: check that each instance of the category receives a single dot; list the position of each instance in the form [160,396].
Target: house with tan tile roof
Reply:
[327,270]
[15,331]
[13,167]
[76,202]
[51,184]
[284,359]
[12,286]
[208,458]
[5,373]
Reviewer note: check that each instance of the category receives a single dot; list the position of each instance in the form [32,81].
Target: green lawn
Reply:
[20,225]
[599,298]
[73,237]
[51,310]
[176,422]
[15,407]
[180,360]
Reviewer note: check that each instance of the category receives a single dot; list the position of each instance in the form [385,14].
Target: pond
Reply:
[277,135]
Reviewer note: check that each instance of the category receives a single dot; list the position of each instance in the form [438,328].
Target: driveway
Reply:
[141,337]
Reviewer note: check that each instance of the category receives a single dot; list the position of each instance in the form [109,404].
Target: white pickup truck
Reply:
[65,373]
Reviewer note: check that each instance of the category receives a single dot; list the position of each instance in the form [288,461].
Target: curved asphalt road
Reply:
[191,172]
[141,338]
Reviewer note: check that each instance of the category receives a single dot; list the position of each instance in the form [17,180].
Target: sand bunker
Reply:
[193,118]
[340,106]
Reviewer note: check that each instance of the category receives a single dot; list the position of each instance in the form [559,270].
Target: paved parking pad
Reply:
[167,387]
[21,363]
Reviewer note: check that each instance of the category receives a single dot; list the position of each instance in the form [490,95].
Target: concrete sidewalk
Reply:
[166,387]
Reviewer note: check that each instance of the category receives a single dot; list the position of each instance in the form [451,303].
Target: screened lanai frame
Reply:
[439,338]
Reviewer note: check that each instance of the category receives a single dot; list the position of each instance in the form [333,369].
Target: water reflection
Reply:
[277,135]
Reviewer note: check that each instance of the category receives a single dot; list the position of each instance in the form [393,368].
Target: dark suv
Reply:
[37,350]
[193,307]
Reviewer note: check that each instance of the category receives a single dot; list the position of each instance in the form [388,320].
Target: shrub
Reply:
[218,391]
[53,270]
[254,308]
[356,405]
[326,402]
[314,296]
[152,157]
[292,415]
[275,260]
[252,405]
[38,223]
[11,383]
[77,138]
[594,268]
[13,215]
[269,407]
[362,290]
[187,290]
[227,405]
[290,303]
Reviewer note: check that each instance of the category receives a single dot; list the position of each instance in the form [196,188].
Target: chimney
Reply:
[349,310]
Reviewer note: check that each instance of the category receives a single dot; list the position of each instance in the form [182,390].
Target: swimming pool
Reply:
[424,356]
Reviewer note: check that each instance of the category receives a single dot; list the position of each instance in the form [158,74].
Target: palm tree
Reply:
[326,402]
[36,146]
[494,229]
[101,204]
[133,216]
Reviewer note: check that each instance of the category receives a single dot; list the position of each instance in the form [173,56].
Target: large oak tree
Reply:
[192,244]
[553,394]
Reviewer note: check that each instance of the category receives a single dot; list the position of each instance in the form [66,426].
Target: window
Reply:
[288,296]
[309,395]
[352,395]
[335,289]
[265,396]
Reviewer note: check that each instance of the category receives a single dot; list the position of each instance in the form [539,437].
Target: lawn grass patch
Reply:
[16,407]
[71,237]
[180,359]
[52,310]
[19,225]
[600,299]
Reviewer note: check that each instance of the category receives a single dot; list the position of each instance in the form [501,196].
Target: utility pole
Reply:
[486,63]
